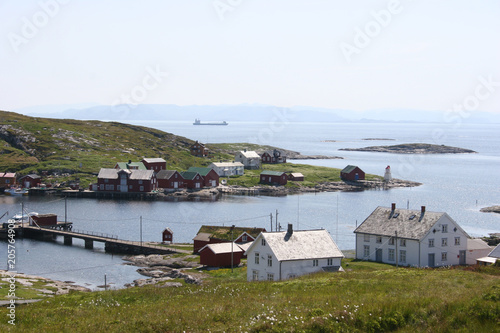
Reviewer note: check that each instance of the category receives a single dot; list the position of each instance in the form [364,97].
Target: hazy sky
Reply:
[359,55]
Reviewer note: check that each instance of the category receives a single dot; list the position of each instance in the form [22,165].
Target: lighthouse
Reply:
[387,175]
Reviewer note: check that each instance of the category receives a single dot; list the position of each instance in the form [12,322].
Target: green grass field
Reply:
[368,297]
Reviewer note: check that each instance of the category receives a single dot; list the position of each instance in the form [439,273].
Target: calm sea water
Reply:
[457,184]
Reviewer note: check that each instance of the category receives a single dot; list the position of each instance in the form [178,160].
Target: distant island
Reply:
[492,209]
[414,148]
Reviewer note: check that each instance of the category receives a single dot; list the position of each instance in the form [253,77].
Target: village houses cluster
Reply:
[402,237]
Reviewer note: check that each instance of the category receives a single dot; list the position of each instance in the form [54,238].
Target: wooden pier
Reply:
[111,242]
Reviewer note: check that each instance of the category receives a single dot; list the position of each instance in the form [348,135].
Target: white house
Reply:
[250,159]
[225,169]
[411,238]
[282,255]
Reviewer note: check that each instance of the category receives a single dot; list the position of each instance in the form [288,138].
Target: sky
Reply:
[355,55]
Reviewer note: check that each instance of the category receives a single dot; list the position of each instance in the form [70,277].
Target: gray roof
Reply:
[349,168]
[477,244]
[249,154]
[495,253]
[107,173]
[303,244]
[141,174]
[407,222]
[272,173]
[220,248]
[203,236]
[154,160]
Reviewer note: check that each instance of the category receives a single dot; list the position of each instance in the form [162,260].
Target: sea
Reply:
[458,184]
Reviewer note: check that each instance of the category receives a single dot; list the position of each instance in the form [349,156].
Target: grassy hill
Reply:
[81,148]
[67,149]
[368,297]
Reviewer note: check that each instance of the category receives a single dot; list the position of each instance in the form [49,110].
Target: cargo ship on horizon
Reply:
[219,123]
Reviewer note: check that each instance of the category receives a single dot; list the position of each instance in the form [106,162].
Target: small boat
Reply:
[16,191]
[220,123]
[19,218]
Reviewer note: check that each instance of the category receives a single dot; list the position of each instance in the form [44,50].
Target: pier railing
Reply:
[92,233]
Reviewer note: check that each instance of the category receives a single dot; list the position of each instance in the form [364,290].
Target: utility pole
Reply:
[271,216]
[276,220]
[65,210]
[396,248]
[141,230]
[232,243]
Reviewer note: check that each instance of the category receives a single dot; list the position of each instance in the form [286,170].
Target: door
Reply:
[462,257]
[378,255]
[176,184]
[432,262]
[123,183]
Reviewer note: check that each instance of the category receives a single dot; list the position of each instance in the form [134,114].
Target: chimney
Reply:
[393,206]
[129,161]
[289,232]
[422,210]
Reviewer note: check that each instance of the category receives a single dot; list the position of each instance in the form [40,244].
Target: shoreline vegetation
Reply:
[367,297]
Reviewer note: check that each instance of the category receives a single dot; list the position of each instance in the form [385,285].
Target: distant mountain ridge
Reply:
[251,112]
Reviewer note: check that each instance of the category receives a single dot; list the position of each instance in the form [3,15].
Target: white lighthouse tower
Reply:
[387,175]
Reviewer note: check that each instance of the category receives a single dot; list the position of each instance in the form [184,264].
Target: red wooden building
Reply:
[296,176]
[219,255]
[155,164]
[273,177]
[352,172]
[167,235]
[119,180]
[7,179]
[220,234]
[192,180]
[198,149]
[30,181]
[170,179]
[44,219]
[210,177]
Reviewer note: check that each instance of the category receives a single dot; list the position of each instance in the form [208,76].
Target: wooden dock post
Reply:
[68,240]
[89,244]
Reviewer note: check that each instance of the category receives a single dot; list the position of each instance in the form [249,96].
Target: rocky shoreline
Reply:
[342,186]
[45,287]
[491,209]
[162,269]
[414,148]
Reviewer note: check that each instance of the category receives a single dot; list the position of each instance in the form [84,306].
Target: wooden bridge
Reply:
[111,242]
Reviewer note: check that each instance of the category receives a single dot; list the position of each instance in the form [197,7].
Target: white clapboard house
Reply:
[411,238]
[282,255]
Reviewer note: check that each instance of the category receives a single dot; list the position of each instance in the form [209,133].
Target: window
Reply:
[140,182]
[269,260]
[270,277]
[444,228]
[457,240]
[244,238]
[106,180]
[402,242]
[110,187]
[315,262]
[366,251]
[444,256]
[141,189]
[256,258]
[402,256]
[255,275]
[444,241]
[391,254]
[329,262]
[379,239]
[367,238]
[391,241]
[431,242]
[101,187]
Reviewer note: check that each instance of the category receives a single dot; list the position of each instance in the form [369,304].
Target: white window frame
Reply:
[315,262]
[269,260]
[329,262]
[366,251]
[402,242]
[257,258]
[457,241]
[444,228]
[366,238]
[402,256]
[431,242]
[255,275]
[379,239]
[391,254]
[444,241]
[270,277]
[444,256]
